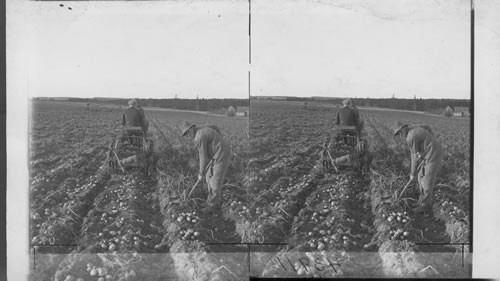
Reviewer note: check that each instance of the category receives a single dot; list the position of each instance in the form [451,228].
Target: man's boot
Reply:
[203,204]
[210,208]
[419,209]
[423,209]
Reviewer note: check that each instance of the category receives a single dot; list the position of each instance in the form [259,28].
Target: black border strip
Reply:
[471,149]
[249,32]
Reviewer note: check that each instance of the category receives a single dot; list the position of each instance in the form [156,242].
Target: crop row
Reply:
[334,219]
[399,234]
[189,235]
[295,202]
[65,173]
[129,226]
[87,223]
[118,235]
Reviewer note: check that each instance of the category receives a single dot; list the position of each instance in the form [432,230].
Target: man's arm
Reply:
[356,113]
[143,117]
[203,153]
[356,117]
[415,139]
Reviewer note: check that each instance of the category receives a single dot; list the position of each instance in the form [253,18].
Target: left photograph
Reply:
[138,141]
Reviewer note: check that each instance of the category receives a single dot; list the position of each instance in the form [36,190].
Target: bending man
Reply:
[426,157]
[211,147]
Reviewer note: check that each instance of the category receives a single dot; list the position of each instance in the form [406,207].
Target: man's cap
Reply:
[398,126]
[185,126]
[347,102]
[132,102]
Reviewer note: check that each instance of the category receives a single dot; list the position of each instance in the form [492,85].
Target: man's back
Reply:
[421,140]
[215,144]
[132,117]
[346,117]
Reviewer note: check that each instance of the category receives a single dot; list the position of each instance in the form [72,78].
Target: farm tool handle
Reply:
[118,161]
[404,188]
[198,181]
[333,161]
[327,152]
[192,188]
[420,166]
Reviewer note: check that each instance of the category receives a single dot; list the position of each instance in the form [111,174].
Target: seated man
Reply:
[360,122]
[133,117]
[145,121]
[347,116]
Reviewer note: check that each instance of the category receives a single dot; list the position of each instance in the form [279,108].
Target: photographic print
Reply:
[247,139]
[360,137]
[138,141]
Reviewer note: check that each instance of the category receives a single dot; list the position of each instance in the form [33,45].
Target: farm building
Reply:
[242,111]
[461,111]
[448,111]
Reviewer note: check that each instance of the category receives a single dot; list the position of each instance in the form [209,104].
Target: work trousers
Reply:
[215,181]
[427,179]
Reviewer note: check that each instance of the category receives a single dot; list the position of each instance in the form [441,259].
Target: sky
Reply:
[362,48]
[163,49]
[148,49]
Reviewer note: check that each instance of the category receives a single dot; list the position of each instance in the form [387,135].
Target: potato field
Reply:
[356,219]
[283,215]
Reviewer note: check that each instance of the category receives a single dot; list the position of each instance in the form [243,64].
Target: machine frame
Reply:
[346,148]
[131,147]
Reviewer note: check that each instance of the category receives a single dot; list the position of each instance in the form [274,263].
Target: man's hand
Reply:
[200,177]
[412,178]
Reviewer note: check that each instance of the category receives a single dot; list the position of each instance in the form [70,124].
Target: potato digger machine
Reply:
[346,149]
[131,148]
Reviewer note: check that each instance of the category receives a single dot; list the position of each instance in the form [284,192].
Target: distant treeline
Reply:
[186,104]
[405,104]
[216,104]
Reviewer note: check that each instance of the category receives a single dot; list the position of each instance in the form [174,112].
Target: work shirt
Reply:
[427,128]
[141,110]
[347,116]
[356,112]
[211,145]
[133,117]
[423,146]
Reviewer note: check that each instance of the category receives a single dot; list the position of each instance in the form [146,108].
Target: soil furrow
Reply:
[191,237]
[398,233]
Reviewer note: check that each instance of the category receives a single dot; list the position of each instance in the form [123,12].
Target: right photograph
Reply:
[360,138]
